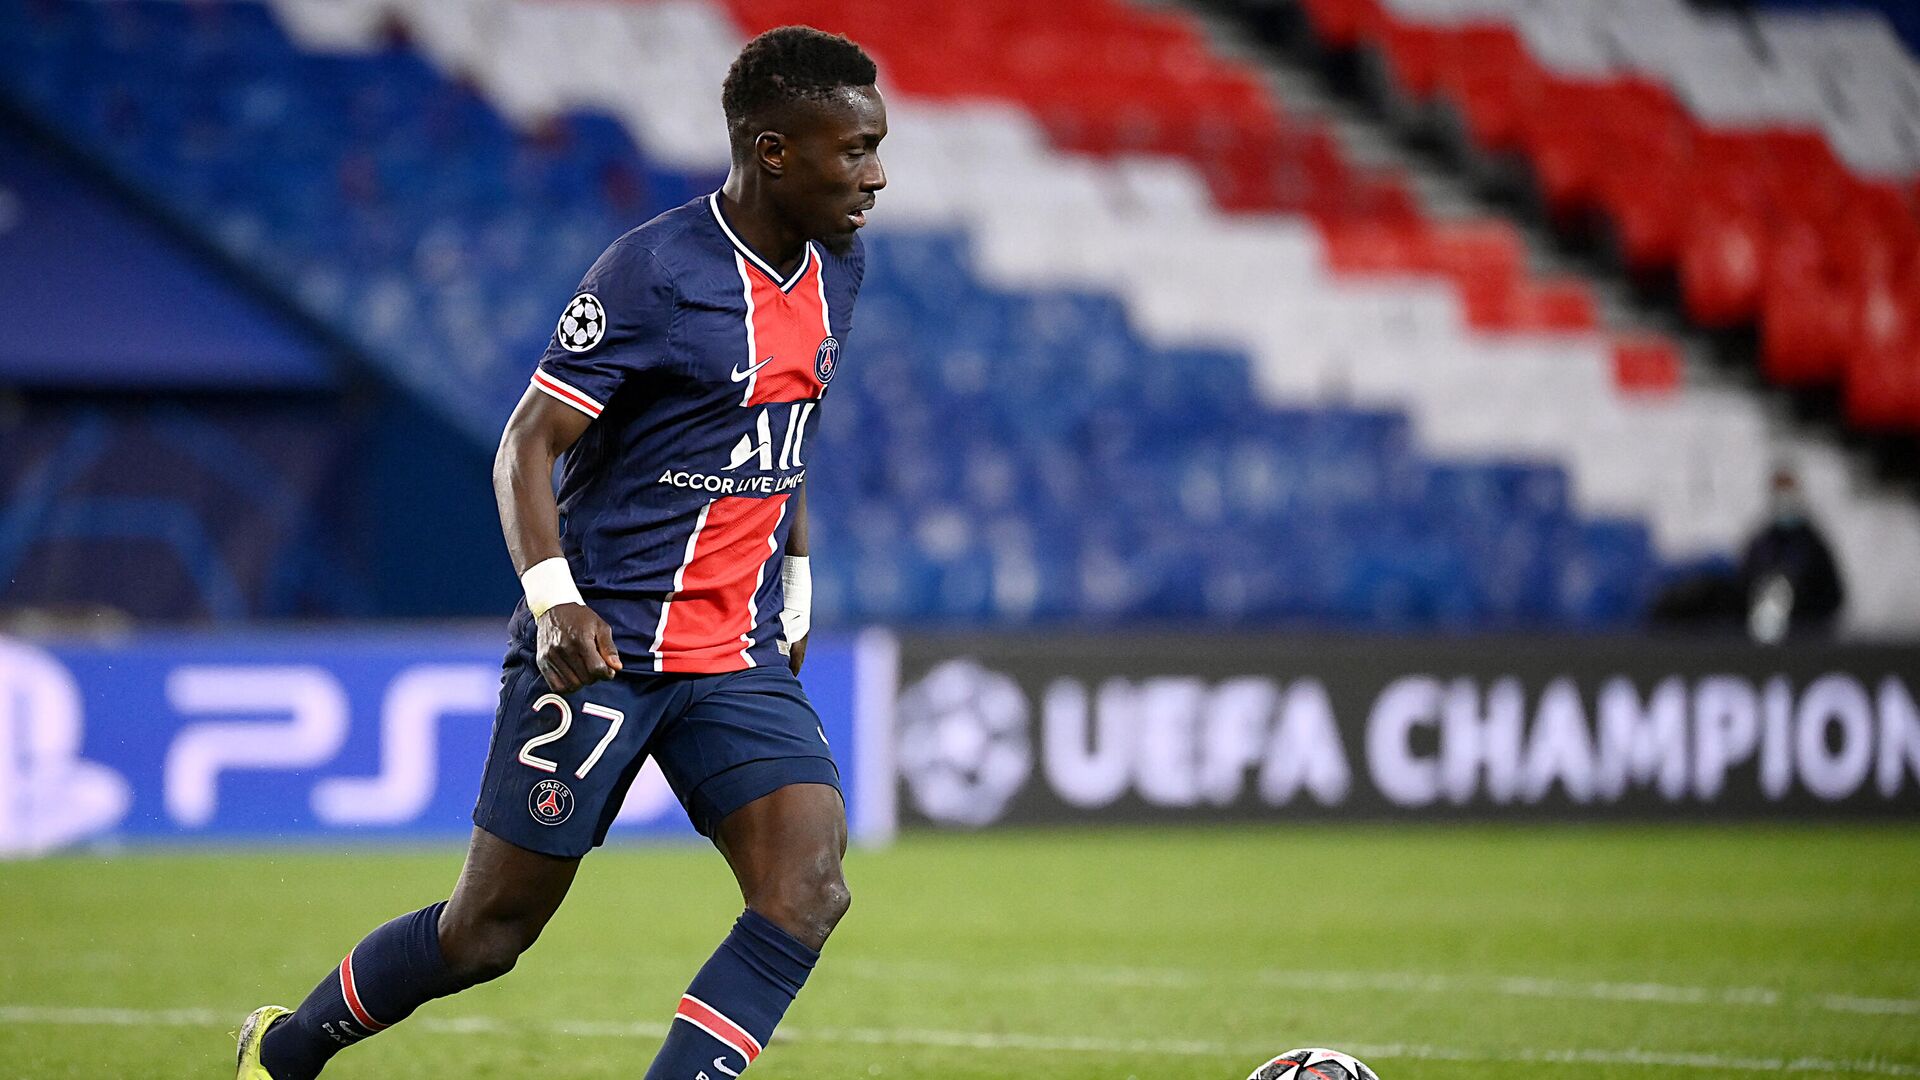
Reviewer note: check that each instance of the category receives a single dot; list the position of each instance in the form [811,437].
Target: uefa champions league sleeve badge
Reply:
[582,325]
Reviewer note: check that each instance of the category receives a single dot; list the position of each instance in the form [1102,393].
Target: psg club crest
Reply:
[825,359]
[582,325]
[550,802]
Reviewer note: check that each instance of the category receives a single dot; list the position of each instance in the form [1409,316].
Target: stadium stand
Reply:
[164,511]
[179,448]
[1769,161]
[149,317]
[1112,363]
[153,507]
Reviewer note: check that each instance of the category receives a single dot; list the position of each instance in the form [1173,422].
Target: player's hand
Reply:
[796,653]
[575,648]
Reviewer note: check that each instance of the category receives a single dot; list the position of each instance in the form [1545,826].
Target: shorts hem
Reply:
[532,841]
[722,794]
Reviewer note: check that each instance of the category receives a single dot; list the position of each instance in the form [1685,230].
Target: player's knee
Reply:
[832,902]
[484,951]
[808,904]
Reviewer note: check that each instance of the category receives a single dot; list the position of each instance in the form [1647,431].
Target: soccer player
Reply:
[667,588]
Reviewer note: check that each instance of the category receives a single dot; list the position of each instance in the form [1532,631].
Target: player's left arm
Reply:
[796,575]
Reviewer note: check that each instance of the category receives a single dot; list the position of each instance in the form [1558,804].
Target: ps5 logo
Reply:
[188,744]
[50,796]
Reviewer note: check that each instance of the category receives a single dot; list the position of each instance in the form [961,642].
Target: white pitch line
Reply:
[87,1016]
[1882,1006]
[1520,986]
[1032,1043]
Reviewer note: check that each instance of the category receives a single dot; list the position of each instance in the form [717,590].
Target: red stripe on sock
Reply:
[713,1022]
[347,991]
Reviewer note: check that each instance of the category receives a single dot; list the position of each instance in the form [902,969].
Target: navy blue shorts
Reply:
[560,766]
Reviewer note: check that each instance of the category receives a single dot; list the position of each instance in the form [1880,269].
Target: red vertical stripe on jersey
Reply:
[787,327]
[711,614]
[707,623]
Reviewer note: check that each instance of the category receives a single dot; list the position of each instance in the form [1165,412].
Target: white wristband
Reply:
[549,584]
[796,579]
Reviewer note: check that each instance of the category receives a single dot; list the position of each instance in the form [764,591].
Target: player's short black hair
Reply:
[785,65]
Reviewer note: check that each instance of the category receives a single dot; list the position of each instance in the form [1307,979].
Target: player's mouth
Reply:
[859,217]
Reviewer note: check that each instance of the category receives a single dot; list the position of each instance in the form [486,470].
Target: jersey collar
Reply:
[739,245]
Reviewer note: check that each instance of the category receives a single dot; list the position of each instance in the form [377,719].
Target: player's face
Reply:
[834,168]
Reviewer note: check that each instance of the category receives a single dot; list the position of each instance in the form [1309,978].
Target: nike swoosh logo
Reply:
[720,1063]
[743,374]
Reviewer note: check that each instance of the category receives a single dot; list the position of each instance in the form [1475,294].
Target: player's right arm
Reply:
[575,646]
[618,325]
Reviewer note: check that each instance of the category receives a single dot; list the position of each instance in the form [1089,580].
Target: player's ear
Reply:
[770,152]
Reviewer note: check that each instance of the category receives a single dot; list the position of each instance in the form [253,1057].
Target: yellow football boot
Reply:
[251,1034]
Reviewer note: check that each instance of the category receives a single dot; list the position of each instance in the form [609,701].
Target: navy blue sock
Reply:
[730,1011]
[392,972]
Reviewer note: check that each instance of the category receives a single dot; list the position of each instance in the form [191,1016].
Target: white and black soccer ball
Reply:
[1313,1063]
[964,746]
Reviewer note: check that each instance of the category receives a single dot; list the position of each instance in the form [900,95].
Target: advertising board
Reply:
[250,735]
[1032,729]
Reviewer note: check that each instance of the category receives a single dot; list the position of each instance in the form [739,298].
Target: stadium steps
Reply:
[1445,192]
[1762,168]
[1848,481]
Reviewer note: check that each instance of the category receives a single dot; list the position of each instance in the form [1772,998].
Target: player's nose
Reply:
[875,176]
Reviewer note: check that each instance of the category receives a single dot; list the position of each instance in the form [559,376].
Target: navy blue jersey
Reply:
[703,370]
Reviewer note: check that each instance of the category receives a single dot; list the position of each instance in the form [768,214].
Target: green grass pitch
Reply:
[1434,953]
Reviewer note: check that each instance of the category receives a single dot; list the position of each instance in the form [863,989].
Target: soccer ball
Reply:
[1313,1063]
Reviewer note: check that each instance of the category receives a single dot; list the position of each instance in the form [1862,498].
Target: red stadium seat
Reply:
[1489,248]
[1562,305]
[1720,266]
[1490,79]
[1803,177]
[1648,211]
[1567,158]
[1558,305]
[1805,330]
[1474,254]
[1413,54]
[1646,365]
[1373,247]
[1342,24]
[1886,315]
[1873,237]
[1883,388]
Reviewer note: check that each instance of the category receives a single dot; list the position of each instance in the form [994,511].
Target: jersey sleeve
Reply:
[618,324]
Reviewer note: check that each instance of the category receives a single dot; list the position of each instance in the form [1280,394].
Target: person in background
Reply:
[1788,578]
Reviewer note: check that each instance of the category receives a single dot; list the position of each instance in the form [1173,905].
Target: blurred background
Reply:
[1425,323]
[1428,321]
[1257,411]
[1423,316]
